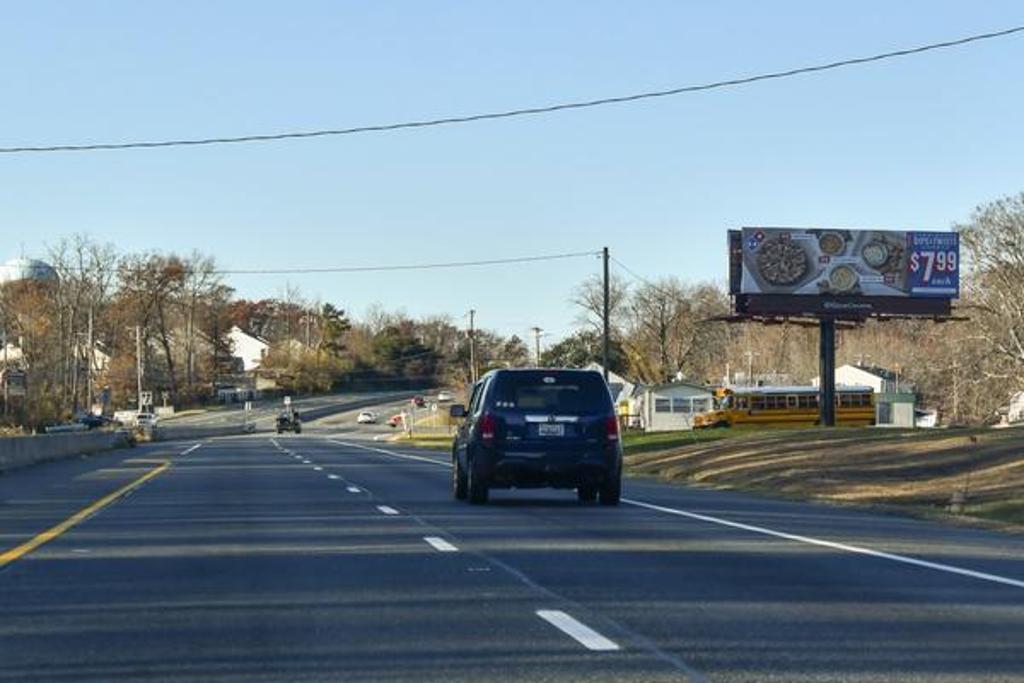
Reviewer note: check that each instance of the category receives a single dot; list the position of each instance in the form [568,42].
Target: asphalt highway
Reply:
[332,557]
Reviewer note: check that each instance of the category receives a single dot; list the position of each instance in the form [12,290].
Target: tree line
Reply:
[84,334]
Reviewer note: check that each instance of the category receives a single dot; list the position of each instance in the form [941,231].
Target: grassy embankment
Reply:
[914,470]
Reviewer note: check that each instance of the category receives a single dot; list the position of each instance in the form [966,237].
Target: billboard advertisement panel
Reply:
[850,262]
[843,272]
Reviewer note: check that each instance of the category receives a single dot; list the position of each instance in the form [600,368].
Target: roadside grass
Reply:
[914,470]
[440,442]
[1010,511]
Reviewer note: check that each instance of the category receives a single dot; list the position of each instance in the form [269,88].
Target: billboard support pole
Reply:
[827,373]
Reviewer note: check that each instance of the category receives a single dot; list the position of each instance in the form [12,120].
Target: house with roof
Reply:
[620,387]
[249,348]
[671,406]
[895,397]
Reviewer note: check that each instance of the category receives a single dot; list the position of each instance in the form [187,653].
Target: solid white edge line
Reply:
[440,544]
[938,566]
[925,564]
[387,509]
[578,631]
[405,456]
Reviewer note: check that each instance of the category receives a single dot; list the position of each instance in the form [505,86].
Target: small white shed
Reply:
[671,407]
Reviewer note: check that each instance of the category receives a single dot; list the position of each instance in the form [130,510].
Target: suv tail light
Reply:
[488,427]
[611,428]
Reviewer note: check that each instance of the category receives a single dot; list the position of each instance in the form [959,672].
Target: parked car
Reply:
[396,420]
[445,396]
[366,418]
[537,428]
[417,401]
[92,421]
[288,421]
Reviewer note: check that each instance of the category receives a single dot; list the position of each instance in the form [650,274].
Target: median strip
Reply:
[580,632]
[55,531]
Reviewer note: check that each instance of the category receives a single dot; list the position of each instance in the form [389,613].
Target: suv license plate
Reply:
[550,430]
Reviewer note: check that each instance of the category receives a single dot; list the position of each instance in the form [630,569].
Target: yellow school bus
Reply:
[796,406]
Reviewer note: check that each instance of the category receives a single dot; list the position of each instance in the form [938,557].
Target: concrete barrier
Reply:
[20,451]
[186,433]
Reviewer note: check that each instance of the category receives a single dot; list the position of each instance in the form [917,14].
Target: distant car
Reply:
[396,420]
[535,428]
[367,418]
[145,419]
[92,421]
[445,397]
[288,421]
[418,401]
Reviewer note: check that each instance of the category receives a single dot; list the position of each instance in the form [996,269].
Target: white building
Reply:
[620,387]
[671,407]
[1015,410]
[881,380]
[249,348]
[895,402]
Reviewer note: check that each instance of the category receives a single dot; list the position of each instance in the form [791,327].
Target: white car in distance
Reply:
[445,397]
[366,418]
[145,419]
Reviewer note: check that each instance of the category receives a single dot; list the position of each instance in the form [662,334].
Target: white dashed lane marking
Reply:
[387,510]
[440,544]
[580,632]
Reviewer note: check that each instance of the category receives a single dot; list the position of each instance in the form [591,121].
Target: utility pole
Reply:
[309,321]
[750,367]
[90,359]
[138,363]
[7,396]
[606,336]
[536,343]
[472,346]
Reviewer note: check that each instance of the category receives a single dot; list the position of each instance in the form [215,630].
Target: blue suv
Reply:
[536,428]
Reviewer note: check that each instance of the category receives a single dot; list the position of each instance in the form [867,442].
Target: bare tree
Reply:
[589,296]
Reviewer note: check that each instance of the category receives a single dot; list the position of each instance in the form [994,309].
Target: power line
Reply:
[415,266]
[351,269]
[526,111]
[634,275]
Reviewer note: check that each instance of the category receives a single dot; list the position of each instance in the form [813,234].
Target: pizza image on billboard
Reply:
[849,263]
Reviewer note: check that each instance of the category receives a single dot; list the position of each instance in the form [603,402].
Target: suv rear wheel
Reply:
[460,487]
[611,490]
[476,484]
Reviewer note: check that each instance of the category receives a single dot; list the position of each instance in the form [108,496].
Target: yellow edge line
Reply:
[28,546]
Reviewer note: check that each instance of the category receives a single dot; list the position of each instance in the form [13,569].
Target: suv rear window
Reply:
[552,392]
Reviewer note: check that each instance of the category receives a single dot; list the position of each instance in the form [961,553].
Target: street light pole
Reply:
[606,335]
[536,343]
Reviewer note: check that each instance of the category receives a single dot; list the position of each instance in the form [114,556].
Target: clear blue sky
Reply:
[910,143]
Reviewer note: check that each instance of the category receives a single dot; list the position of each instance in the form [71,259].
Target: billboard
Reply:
[845,273]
